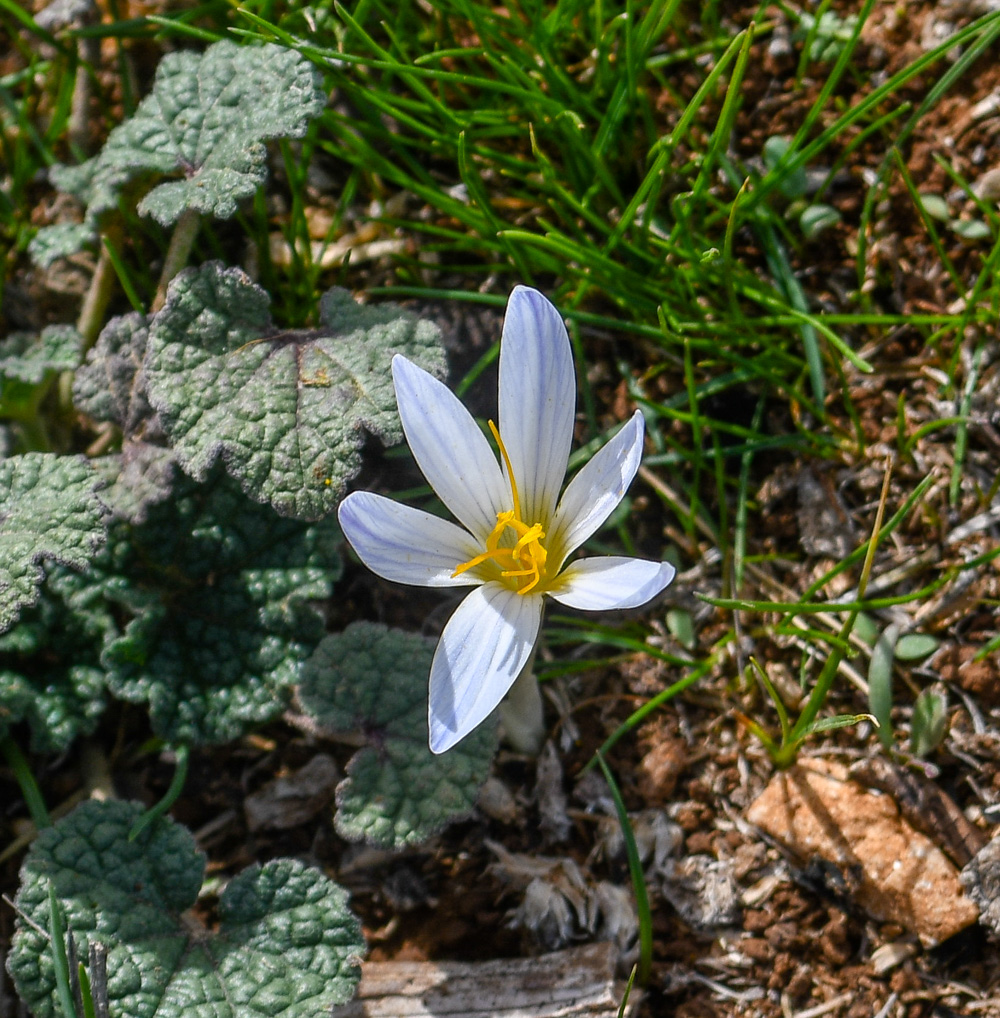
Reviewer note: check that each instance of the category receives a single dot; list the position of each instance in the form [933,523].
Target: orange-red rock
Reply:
[895,872]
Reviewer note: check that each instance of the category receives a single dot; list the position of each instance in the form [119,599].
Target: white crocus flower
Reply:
[516,534]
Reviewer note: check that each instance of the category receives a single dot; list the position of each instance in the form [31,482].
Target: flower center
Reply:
[520,554]
[523,562]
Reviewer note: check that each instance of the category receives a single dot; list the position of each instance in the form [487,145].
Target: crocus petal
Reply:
[594,493]
[484,646]
[404,544]
[537,400]
[449,448]
[611,581]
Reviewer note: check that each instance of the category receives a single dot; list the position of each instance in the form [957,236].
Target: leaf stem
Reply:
[177,254]
[98,296]
[172,794]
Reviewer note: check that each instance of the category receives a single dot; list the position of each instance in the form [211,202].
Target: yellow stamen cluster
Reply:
[523,562]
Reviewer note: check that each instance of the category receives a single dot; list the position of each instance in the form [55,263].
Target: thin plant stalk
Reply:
[26,779]
[636,873]
[153,814]
[178,253]
[788,750]
[98,295]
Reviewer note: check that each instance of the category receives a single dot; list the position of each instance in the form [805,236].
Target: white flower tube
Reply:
[517,534]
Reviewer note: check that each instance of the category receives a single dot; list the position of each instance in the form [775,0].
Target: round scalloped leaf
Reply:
[60,241]
[206,121]
[48,512]
[286,945]
[222,591]
[140,476]
[109,385]
[28,362]
[29,357]
[50,672]
[286,410]
[374,679]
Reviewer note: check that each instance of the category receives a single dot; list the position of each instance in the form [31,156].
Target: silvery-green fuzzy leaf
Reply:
[205,122]
[287,410]
[374,679]
[971,229]
[29,362]
[286,944]
[935,206]
[60,241]
[139,477]
[50,672]
[109,385]
[78,181]
[221,592]
[815,219]
[880,682]
[48,512]
[29,358]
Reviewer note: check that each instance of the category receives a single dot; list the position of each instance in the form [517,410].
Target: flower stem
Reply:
[521,712]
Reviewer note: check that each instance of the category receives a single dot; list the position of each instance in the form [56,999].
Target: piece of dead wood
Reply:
[294,798]
[981,880]
[892,870]
[576,983]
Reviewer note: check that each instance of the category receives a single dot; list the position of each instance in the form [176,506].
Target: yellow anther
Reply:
[466,566]
[526,557]
[534,533]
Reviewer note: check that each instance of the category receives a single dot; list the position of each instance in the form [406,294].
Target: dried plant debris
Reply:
[825,524]
[699,887]
[560,903]
[293,799]
[703,891]
[553,821]
[575,983]
[981,879]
